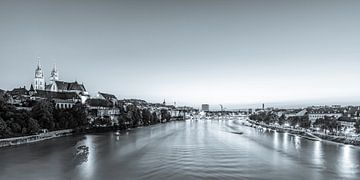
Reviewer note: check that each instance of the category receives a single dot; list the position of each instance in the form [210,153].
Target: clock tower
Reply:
[39,81]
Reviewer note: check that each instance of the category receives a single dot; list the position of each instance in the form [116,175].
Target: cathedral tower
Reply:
[54,76]
[39,81]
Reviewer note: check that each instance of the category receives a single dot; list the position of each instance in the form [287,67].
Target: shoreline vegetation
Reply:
[15,141]
[35,138]
[43,121]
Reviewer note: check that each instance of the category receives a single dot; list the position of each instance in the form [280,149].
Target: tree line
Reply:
[133,116]
[271,118]
[327,123]
[43,115]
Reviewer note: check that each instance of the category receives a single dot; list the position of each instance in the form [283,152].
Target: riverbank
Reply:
[34,138]
[307,135]
[61,133]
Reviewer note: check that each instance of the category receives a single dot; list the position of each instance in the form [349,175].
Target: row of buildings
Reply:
[66,94]
[347,116]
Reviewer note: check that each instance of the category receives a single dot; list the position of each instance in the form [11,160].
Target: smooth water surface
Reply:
[194,149]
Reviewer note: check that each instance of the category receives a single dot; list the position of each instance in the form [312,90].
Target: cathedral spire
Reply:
[38,65]
[54,76]
[39,82]
[38,71]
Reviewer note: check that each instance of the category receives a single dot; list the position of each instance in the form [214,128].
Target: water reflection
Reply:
[318,154]
[348,162]
[297,142]
[184,150]
[87,167]
[285,141]
[276,139]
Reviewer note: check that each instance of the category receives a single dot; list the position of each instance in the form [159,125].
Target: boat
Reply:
[117,133]
[240,133]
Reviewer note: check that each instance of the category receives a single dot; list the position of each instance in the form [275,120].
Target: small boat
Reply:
[117,133]
[240,133]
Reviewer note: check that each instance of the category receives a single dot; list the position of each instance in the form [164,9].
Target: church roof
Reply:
[31,88]
[56,95]
[99,103]
[19,91]
[68,86]
[107,96]
[48,87]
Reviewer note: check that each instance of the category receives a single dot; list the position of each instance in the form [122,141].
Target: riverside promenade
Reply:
[353,140]
[34,138]
[191,149]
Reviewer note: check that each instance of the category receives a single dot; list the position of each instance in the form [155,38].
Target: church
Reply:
[65,94]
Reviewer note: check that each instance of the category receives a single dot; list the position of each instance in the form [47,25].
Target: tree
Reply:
[79,114]
[103,121]
[16,128]
[282,119]
[357,126]
[64,119]
[154,118]
[165,115]
[33,126]
[137,116]
[305,122]
[43,112]
[146,114]
[3,128]
[327,123]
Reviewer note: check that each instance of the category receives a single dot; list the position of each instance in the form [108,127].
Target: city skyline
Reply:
[234,52]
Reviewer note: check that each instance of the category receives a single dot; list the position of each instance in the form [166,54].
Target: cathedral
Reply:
[56,87]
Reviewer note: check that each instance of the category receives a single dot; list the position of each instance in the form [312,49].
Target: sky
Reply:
[231,52]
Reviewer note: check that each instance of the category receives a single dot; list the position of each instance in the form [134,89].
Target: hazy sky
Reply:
[189,51]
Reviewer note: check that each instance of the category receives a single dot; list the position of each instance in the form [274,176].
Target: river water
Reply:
[194,149]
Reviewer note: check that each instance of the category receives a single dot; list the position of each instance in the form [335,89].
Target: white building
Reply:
[55,85]
[205,107]
[39,81]
[313,116]
[296,113]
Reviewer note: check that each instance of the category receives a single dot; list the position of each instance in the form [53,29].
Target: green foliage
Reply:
[165,115]
[265,117]
[282,119]
[3,125]
[327,123]
[133,116]
[301,121]
[15,122]
[33,126]
[43,112]
[147,117]
[79,113]
[64,119]
[357,126]
[154,118]
[43,115]
[105,121]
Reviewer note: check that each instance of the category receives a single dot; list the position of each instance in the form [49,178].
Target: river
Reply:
[193,149]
